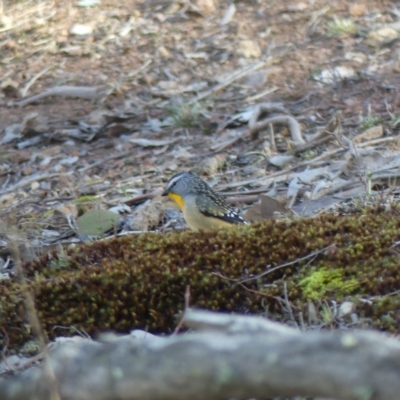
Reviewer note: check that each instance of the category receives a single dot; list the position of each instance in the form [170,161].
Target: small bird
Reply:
[202,208]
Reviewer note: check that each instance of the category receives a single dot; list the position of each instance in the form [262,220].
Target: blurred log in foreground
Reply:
[228,357]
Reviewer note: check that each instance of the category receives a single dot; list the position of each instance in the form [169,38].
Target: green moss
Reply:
[140,281]
[323,281]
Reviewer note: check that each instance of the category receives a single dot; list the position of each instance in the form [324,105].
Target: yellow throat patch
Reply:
[177,199]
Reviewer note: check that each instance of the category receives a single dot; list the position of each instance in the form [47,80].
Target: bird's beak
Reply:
[164,193]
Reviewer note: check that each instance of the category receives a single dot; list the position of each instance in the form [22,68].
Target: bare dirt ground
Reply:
[150,88]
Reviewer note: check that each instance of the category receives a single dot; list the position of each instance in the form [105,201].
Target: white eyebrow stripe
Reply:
[174,179]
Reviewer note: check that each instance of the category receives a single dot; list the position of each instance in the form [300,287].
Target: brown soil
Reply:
[142,49]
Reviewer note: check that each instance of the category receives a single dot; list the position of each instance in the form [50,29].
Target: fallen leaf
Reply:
[268,208]
[229,14]
[249,49]
[369,134]
[94,223]
[152,142]
[280,160]
[11,132]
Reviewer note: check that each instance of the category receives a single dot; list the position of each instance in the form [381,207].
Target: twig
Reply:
[302,324]
[33,319]
[83,92]
[260,95]
[187,305]
[255,291]
[29,180]
[104,160]
[315,253]
[377,141]
[234,77]
[288,306]
[137,71]
[5,346]
[141,198]
[288,120]
[323,136]
[25,89]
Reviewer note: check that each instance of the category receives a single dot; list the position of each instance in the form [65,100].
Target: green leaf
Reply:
[96,222]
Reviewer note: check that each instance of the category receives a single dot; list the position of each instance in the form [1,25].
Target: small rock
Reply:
[382,37]
[87,3]
[35,185]
[27,171]
[206,7]
[163,52]
[334,74]
[346,308]
[80,30]
[358,57]
[74,51]
[210,165]
[248,49]
[147,216]
[358,9]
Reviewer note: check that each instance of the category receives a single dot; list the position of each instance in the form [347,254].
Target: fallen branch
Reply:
[235,357]
[98,93]
[292,123]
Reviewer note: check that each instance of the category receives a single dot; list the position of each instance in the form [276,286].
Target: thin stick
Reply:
[31,179]
[287,264]
[187,305]
[260,95]
[288,306]
[96,93]
[234,77]
[104,160]
[33,319]
[25,90]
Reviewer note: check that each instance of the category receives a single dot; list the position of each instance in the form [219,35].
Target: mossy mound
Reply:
[139,281]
